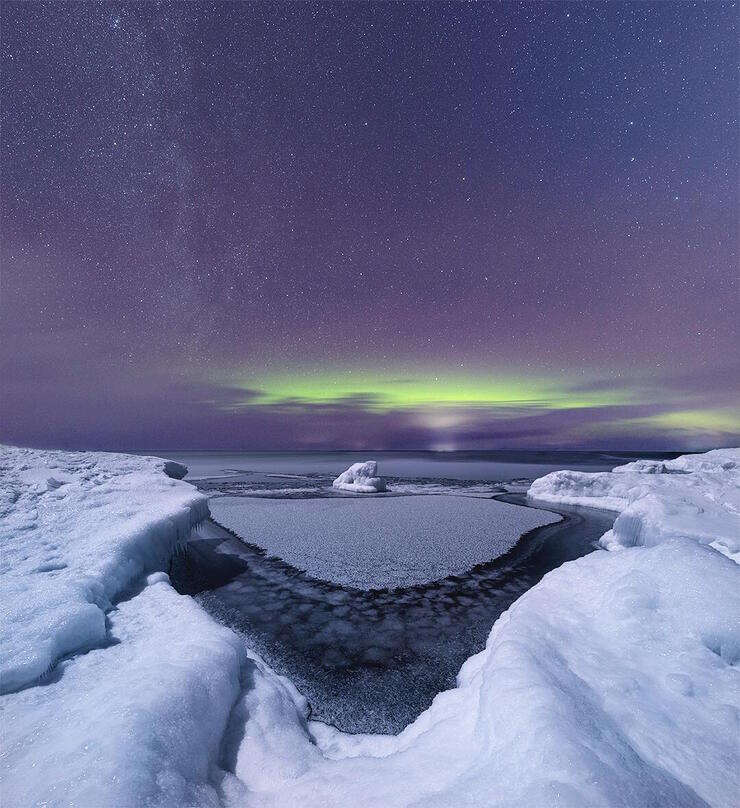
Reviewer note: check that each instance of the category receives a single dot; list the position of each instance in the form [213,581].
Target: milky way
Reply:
[369,225]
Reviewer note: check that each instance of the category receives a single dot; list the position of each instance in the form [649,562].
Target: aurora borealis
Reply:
[339,225]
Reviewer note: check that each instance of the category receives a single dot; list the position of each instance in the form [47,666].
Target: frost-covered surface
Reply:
[694,496]
[379,543]
[136,708]
[76,529]
[362,478]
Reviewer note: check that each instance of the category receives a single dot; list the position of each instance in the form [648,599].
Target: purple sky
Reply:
[369,225]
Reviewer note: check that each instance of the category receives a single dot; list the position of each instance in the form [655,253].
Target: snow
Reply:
[602,686]
[612,682]
[76,529]
[379,543]
[694,496]
[362,478]
[123,725]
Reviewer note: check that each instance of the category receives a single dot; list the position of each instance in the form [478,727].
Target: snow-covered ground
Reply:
[612,682]
[380,543]
[695,496]
[76,529]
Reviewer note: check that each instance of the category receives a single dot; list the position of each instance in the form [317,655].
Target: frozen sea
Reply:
[490,466]
[371,603]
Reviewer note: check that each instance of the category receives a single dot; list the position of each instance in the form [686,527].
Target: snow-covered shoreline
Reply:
[694,496]
[613,682]
[77,529]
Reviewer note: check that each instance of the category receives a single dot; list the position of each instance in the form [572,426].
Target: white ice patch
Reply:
[377,543]
[362,478]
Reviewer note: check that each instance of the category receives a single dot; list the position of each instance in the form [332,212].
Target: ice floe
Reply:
[379,543]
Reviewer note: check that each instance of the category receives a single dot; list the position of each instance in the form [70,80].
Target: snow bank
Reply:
[379,542]
[361,478]
[75,530]
[694,496]
[137,722]
[135,707]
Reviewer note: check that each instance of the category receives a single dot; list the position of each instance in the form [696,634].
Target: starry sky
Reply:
[359,225]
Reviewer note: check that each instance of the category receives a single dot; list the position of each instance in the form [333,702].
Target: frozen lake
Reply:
[371,603]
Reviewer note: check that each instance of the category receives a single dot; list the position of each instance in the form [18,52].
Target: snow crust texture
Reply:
[118,692]
[362,478]
[138,722]
[76,529]
[380,542]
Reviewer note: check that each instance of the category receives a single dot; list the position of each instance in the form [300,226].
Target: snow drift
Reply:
[695,496]
[362,478]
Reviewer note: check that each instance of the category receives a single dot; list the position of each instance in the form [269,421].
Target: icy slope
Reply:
[75,530]
[695,496]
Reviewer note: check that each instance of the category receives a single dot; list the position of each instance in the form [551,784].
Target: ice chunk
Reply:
[361,478]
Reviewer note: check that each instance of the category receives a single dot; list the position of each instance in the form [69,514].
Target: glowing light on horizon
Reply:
[379,392]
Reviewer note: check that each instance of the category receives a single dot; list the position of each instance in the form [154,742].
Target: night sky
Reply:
[460,226]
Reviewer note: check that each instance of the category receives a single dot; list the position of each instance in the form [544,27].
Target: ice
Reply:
[362,478]
[695,496]
[137,722]
[379,543]
[75,530]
